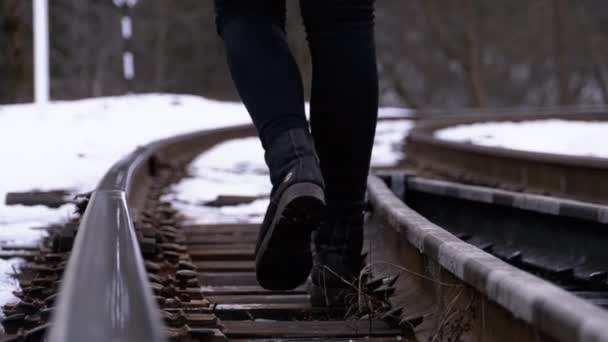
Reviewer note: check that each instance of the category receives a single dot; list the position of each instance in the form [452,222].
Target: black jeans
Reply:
[344,100]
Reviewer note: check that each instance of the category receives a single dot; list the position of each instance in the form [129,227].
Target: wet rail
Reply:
[442,277]
[583,178]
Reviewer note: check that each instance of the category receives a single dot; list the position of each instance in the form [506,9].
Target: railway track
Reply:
[582,178]
[136,272]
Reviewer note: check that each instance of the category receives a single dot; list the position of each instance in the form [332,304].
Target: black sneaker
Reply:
[337,261]
[283,256]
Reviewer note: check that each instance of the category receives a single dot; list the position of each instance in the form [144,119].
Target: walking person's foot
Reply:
[283,257]
[337,260]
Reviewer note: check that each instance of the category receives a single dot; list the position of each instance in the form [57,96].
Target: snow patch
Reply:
[70,146]
[574,138]
[388,145]
[74,143]
[237,168]
[8,281]
[395,112]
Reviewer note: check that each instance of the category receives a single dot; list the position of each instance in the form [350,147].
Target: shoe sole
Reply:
[284,258]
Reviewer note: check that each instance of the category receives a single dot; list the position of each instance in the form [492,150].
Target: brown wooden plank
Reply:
[245,290]
[307,329]
[362,339]
[51,199]
[221,239]
[21,247]
[27,255]
[225,266]
[225,253]
[207,247]
[191,305]
[284,311]
[220,228]
[223,232]
[201,320]
[227,278]
[232,200]
[259,299]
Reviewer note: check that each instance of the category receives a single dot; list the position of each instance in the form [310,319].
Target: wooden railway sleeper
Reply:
[172,275]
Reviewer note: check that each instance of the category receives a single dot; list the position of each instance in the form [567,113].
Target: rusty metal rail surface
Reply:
[496,301]
[562,241]
[105,294]
[583,178]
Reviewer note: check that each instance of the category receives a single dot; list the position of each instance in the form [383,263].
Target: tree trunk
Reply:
[161,46]
[562,56]
[398,86]
[473,58]
[15,30]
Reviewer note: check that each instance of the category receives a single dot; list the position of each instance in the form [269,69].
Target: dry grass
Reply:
[366,302]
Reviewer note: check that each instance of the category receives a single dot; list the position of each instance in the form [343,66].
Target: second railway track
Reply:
[579,177]
[137,273]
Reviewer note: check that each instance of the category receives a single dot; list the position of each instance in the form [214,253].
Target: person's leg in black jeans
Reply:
[262,67]
[344,110]
[344,102]
[269,82]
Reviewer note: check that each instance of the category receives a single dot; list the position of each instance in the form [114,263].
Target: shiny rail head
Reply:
[538,303]
[105,294]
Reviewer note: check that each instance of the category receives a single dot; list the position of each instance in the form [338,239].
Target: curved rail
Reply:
[109,299]
[449,275]
[582,178]
[105,294]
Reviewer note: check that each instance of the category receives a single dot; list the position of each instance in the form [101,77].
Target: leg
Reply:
[270,85]
[344,110]
[262,67]
[344,102]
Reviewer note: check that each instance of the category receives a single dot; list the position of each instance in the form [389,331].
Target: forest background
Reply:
[431,53]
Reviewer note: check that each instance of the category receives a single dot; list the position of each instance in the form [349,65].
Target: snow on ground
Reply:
[75,142]
[576,138]
[395,112]
[70,145]
[390,136]
[237,168]
[8,283]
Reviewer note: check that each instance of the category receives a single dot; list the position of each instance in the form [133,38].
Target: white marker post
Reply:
[41,52]
[128,60]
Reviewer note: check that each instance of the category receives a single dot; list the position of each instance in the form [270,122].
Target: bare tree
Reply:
[562,54]
[472,63]
[18,69]
[431,53]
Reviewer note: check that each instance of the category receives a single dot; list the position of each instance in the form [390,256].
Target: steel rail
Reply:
[105,294]
[515,227]
[447,275]
[430,113]
[582,178]
[467,113]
